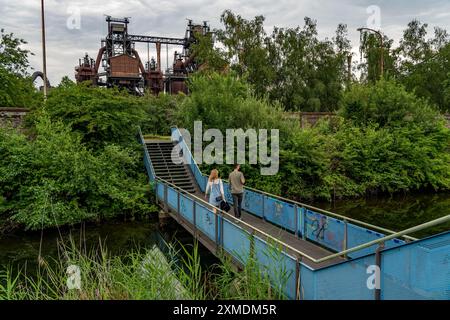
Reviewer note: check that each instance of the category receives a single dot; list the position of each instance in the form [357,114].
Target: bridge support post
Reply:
[178,206]
[304,224]
[194,218]
[298,284]
[252,245]
[345,240]
[166,206]
[378,264]
[216,220]
[296,220]
[263,207]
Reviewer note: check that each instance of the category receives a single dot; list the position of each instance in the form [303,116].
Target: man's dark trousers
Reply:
[237,199]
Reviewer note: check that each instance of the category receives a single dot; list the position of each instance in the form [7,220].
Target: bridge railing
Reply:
[240,240]
[334,231]
[189,159]
[346,280]
[147,160]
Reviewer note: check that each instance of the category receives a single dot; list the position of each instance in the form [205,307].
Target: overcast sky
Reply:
[66,43]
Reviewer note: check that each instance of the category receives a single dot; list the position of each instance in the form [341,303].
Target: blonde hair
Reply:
[214,175]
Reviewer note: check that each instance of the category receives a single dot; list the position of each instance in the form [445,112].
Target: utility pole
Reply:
[381,47]
[44,59]
[349,69]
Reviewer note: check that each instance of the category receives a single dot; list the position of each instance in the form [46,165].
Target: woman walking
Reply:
[215,189]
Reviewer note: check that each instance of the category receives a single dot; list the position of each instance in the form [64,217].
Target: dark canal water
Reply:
[398,213]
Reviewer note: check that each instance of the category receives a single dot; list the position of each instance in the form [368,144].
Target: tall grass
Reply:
[253,280]
[141,274]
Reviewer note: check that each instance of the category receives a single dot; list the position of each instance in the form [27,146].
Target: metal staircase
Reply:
[167,169]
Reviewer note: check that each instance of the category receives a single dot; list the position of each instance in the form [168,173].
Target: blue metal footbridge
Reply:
[308,253]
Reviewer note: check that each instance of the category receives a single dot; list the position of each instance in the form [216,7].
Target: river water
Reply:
[22,248]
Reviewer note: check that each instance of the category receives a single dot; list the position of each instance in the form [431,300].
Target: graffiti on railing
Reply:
[318,226]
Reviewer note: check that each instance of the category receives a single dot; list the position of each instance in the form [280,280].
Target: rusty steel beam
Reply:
[162,40]
[158,56]
[99,58]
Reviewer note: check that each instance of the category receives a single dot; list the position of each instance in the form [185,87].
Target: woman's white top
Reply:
[210,184]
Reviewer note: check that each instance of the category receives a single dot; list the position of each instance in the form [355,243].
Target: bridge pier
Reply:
[163,218]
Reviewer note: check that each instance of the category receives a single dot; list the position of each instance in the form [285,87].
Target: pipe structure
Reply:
[381,47]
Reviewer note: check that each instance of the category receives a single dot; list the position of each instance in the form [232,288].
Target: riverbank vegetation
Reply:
[141,274]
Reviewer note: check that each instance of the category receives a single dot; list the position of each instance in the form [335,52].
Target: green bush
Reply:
[17,91]
[386,141]
[226,102]
[387,104]
[101,116]
[394,160]
[55,180]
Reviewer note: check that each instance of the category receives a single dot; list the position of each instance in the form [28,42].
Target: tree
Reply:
[13,58]
[244,42]
[441,38]
[423,63]
[55,180]
[388,104]
[309,72]
[343,51]
[414,47]
[209,58]
[16,88]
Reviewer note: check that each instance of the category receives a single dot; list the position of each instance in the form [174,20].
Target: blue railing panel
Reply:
[325,230]
[227,191]
[160,190]
[280,213]
[236,241]
[358,235]
[301,217]
[147,163]
[418,270]
[280,267]
[172,198]
[205,221]
[307,283]
[253,202]
[187,208]
[345,281]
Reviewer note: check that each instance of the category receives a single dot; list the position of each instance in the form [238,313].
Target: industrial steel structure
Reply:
[123,66]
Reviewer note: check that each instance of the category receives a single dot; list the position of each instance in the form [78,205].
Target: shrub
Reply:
[56,180]
[387,104]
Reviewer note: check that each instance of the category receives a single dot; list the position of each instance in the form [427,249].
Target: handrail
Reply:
[141,136]
[241,222]
[386,238]
[328,213]
[190,152]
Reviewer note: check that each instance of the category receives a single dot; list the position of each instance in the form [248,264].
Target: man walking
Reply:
[237,182]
